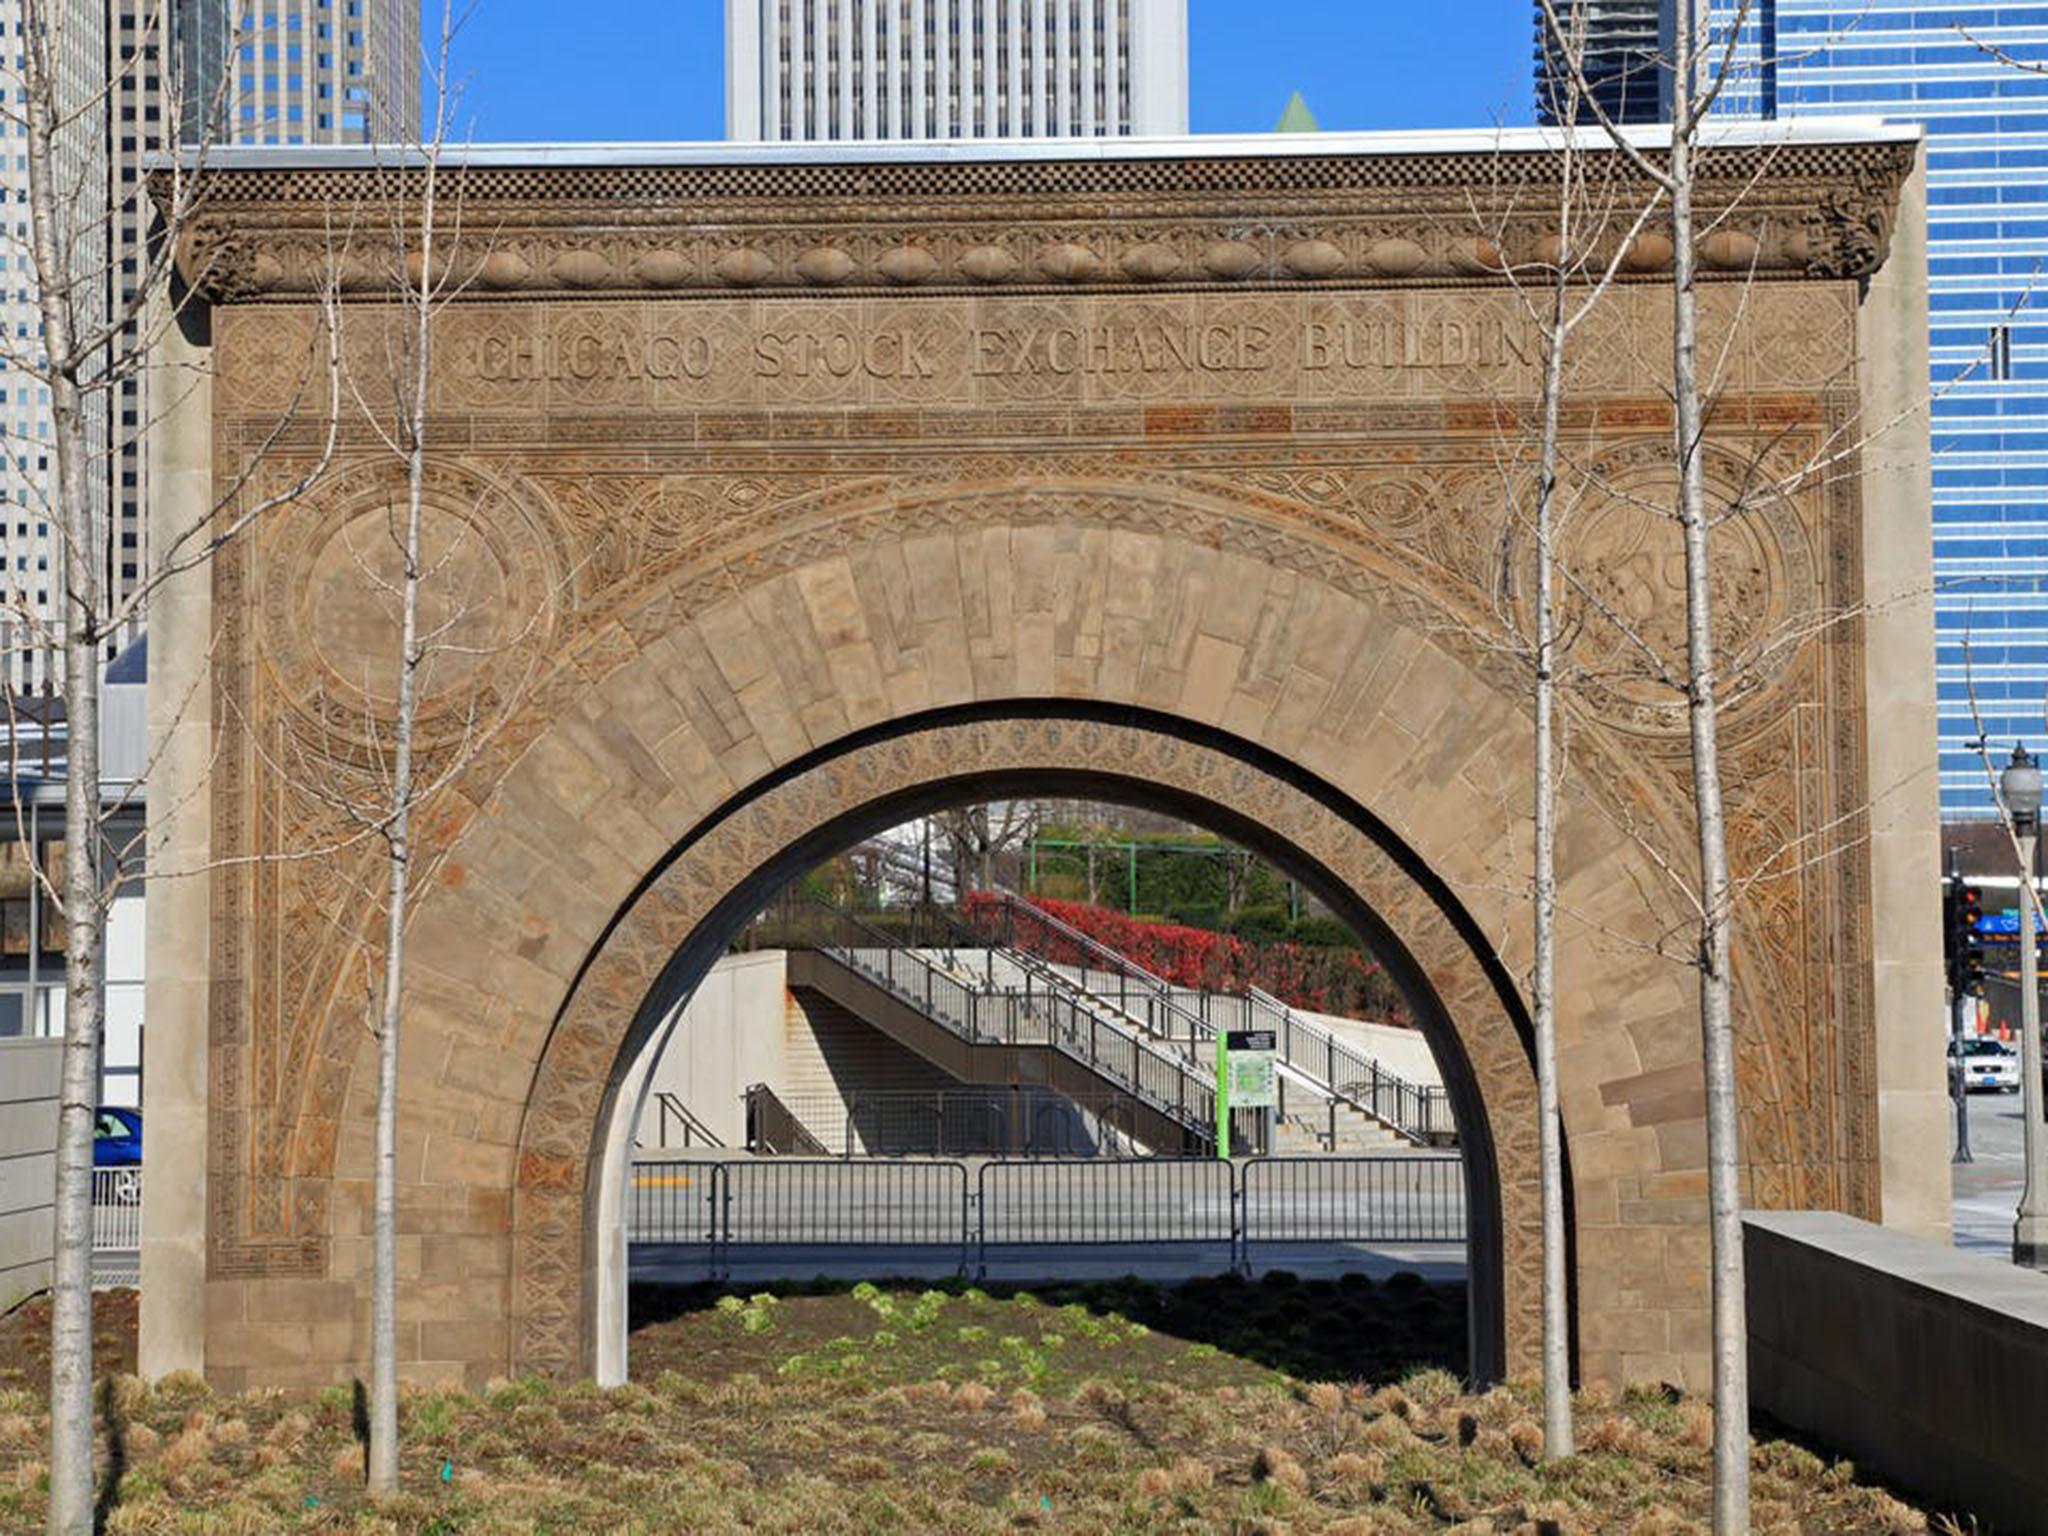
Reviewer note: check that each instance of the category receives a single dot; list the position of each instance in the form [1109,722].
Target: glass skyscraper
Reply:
[1987,234]
[1938,63]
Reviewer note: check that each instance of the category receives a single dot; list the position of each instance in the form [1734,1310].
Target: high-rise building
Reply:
[818,70]
[1987,247]
[1977,78]
[300,72]
[1621,46]
[324,72]
[31,584]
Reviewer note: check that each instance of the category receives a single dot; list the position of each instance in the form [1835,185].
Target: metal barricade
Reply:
[908,1211]
[1352,1200]
[116,1226]
[670,1203]
[1130,1202]
[832,1203]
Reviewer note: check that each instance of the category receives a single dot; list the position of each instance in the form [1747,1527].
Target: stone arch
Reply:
[698,695]
[681,918]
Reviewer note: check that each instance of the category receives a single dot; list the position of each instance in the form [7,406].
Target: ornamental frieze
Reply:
[1392,219]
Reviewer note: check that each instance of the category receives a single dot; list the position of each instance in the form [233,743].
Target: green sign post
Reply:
[1246,1077]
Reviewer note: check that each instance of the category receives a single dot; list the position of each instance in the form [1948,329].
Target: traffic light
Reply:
[1962,949]
[1970,948]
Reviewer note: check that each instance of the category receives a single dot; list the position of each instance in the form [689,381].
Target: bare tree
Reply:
[1594,213]
[976,836]
[104,295]
[1695,81]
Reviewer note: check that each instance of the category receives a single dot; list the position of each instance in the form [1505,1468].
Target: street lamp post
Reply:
[2019,786]
[1959,1013]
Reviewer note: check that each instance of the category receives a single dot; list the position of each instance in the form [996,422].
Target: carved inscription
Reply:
[587,356]
[988,352]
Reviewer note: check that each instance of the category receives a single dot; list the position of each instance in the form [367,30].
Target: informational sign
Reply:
[1254,1079]
[1246,1077]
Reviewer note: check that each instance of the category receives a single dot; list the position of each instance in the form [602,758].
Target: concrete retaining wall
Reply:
[1927,1366]
[28,1165]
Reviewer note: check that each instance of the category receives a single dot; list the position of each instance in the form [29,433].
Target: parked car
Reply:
[117,1138]
[1988,1065]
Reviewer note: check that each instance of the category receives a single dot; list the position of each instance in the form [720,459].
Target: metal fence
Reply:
[116,1226]
[743,1210]
[1091,1204]
[1351,1200]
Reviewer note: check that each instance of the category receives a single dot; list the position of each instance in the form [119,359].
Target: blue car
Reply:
[117,1138]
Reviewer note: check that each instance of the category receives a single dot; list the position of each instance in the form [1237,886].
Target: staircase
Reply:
[996,1018]
[1353,1090]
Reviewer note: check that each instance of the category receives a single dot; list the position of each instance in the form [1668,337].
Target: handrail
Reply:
[773,1129]
[977,1010]
[695,1132]
[1418,1112]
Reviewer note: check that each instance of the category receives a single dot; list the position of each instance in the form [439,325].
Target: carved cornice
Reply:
[1798,211]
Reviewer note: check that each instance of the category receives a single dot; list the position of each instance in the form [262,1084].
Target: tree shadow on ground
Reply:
[1346,1330]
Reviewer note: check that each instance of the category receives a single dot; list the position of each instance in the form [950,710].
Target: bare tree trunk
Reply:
[384,1207]
[398,839]
[71,1367]
[1717,1023]
[1557,1362]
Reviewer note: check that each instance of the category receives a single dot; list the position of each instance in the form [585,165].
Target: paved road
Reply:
[1987,1190]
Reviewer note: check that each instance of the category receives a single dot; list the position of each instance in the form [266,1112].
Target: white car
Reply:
[1991,1065]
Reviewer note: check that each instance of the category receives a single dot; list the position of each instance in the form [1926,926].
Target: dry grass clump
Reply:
[141,1440]
[1097,1393]
[972,1397]
[1526,1436]
[1027,1412]
[231,1432]
[1611,1434]
[1186,1476]
[1325,1397]
[1662,1520]
[124,1395]
[18,1432]
[1366,1470]
[1553,1517]
[1388,1432]
[183,1386]
[1274,1465]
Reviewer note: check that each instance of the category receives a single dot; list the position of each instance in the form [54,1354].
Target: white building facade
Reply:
[813,71]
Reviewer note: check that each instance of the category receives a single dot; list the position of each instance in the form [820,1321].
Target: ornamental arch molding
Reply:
[759,541]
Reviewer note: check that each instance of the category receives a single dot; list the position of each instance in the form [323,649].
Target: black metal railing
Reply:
[1194,1017]
[784,1207]
[798,1203]
[670,1203]
[773,1130]
[1174,1200]
[1354,1200]
[675,1118]
[917,955]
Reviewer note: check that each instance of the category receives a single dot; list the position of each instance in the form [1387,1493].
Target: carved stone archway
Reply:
[684,916]
[781,489]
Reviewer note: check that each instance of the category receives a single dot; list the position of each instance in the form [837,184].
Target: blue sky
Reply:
[653,69]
